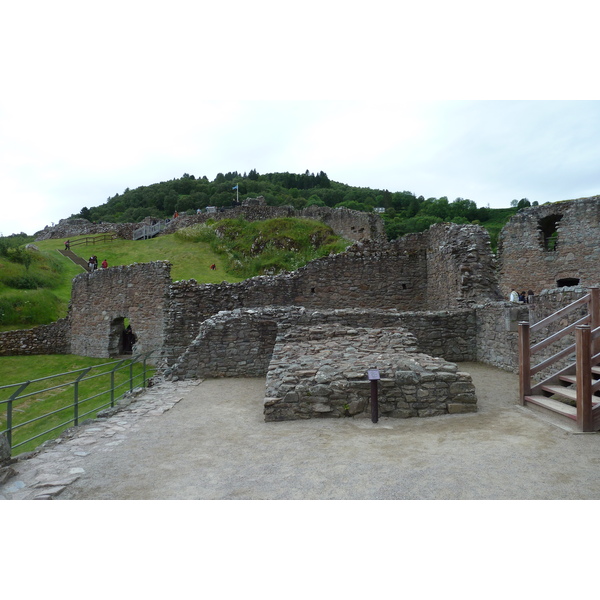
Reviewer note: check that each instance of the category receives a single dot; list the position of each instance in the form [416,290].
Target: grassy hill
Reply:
[36,289]
[405,212]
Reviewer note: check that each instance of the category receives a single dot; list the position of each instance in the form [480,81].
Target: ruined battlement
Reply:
[551,246]
[350,224]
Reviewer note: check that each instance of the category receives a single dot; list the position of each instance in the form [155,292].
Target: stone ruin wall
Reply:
[102,299]
[367,275]
[166,315]
[240,343]
[81,227]
[497,334]
[54,338]
[525,263]
[350,224]
[459,262]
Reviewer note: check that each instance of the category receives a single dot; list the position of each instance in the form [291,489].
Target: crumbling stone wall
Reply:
[542,245]
[350,224]
[460,262]
[368,275]
[54,338]
[102,299]
[239,343]
[379,277]
[497,334]
[81,227]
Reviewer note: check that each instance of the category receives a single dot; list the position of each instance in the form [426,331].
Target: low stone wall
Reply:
[240,343]
[54,338]
[321,371]
[498,335]
[230,344]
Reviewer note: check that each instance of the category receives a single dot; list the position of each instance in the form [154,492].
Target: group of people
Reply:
[93,263]
[523,297]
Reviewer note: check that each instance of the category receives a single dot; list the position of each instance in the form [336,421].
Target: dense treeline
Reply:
[404,212]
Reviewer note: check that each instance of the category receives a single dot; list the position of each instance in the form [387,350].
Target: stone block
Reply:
[454,408]
[465,398]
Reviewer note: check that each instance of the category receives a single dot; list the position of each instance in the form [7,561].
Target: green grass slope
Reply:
[39,293]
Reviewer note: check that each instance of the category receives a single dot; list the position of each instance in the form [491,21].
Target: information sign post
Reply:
[373,375]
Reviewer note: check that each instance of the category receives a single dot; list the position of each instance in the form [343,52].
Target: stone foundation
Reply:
[322,372]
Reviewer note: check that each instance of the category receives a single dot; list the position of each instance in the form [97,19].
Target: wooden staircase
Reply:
[569,395]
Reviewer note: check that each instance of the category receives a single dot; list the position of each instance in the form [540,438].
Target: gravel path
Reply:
[208,440]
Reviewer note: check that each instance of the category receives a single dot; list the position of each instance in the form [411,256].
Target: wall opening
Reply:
[121,338]
[567,282]
[549,231]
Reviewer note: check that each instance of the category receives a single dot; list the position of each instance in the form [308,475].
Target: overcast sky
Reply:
[443,99]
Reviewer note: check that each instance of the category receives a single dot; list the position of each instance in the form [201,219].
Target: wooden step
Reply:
[569,379]
[559,390]
[553,405]
[555,412]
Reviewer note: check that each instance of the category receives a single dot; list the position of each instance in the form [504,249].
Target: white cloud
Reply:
[98,97]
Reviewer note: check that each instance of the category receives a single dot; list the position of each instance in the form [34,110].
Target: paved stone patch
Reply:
[58,463]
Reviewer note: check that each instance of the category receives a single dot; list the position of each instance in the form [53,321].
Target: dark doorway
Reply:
[128,339]
[121,339]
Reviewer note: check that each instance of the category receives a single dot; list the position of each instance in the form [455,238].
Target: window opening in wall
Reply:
[312,290]
[567,282]
[549,228]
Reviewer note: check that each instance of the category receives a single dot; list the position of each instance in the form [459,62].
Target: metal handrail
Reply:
[76,377]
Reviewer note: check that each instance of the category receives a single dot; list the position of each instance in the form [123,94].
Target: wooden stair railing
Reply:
[577,381]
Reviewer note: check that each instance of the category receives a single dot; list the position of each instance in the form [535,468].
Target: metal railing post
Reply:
[524,362]
[584,378]
[76,396]
[9,412]
[112,384]
[131,376]
[144,370]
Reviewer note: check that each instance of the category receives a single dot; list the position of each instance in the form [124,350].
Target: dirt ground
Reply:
[214,444]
